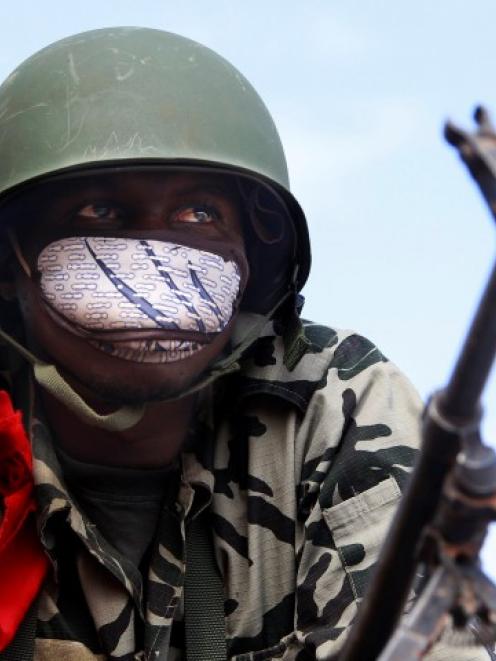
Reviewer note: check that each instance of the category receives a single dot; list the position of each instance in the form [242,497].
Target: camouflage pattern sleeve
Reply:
[358,443]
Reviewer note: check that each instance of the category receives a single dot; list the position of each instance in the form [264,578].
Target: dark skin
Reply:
[187,204]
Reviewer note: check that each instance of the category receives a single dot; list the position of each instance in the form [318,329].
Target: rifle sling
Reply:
[203,596]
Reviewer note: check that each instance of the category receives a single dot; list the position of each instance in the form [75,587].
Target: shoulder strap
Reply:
[22,647]
[203,595]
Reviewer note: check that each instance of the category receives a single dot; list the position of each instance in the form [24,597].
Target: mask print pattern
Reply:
[115,284]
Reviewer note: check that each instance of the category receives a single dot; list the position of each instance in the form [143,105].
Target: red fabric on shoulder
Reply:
[23,563]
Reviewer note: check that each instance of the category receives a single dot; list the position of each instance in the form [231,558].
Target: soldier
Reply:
[212,476]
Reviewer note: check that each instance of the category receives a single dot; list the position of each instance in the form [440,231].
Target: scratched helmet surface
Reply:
[121,97]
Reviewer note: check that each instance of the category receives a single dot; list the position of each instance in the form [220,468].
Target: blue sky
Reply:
[402,241]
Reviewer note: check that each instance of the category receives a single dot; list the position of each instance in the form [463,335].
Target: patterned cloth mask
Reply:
[114,289]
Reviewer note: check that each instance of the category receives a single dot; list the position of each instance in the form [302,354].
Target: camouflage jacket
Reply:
[301,470]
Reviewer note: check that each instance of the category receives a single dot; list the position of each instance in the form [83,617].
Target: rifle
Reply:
[443,518]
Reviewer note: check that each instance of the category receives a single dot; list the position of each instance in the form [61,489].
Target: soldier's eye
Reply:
[98,212]
[200,214]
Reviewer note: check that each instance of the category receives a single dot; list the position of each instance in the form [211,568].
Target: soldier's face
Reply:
[195,209]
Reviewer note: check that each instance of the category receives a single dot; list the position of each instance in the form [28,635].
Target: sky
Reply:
[402,240]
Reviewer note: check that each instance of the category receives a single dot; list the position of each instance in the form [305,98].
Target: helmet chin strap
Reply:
[49,378]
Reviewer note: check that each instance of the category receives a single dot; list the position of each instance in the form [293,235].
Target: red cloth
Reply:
[23,563]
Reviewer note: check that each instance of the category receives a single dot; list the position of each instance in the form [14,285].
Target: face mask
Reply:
[137,299]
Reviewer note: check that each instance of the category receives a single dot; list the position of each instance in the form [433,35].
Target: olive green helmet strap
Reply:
[49,378]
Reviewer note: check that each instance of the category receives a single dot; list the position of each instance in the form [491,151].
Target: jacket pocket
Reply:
[359,526]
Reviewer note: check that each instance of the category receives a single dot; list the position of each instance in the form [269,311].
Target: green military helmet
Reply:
[129,97]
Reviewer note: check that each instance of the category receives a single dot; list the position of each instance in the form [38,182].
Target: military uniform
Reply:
[301,471]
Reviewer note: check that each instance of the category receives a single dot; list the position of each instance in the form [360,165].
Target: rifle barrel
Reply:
[469,376]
